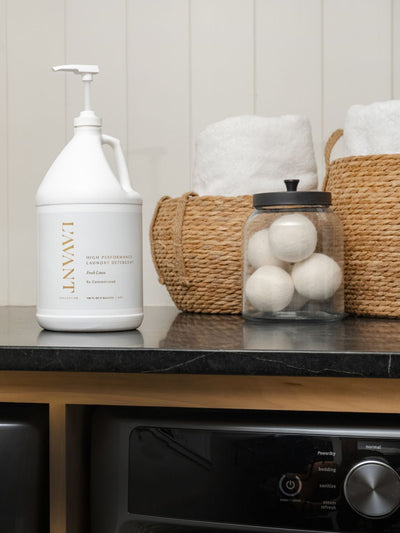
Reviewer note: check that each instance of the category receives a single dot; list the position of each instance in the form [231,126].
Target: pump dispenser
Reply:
[89,232]
[87,117]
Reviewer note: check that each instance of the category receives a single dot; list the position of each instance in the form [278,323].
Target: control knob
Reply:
[372,489]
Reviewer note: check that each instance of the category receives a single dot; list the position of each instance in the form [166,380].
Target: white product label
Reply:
[90,260]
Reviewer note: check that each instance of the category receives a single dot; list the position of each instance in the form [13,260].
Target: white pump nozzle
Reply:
[87,116]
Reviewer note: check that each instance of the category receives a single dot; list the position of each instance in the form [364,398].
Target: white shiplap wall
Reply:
[3,158]
[357,58]
[168,69]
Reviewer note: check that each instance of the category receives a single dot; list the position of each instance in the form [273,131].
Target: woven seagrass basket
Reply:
[196,243]
[366,196]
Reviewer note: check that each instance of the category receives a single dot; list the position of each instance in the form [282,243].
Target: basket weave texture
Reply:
[196,243]
[366,196]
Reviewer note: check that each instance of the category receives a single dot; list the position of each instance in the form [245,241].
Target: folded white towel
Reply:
[250,154]
[373,128]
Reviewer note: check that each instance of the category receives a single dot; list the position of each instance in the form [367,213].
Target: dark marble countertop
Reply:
[182,343]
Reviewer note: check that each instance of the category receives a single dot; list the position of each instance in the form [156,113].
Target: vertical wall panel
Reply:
[396,49]
[101,42]
[3,158]
[158,112]
[357,57]
[36,120]
[288,61]
[222,60]
[168,69]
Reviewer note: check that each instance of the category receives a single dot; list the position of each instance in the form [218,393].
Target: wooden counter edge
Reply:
[374,395]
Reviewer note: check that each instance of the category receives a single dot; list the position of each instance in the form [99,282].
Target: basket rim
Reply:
[195,196]
[372,157]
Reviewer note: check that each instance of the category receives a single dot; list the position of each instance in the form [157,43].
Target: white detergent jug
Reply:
[89,233]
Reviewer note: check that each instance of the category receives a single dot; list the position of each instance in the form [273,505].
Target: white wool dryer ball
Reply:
[292,237]
[259,252]
[318,277]
[269,288]
[298,301]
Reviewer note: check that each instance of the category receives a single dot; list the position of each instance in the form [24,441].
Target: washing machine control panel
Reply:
[266,478]
[372,488]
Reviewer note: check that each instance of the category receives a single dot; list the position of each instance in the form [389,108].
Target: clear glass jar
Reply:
[293,257]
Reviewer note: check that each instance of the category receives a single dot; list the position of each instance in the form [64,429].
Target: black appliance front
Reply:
[24,471]
[176,471]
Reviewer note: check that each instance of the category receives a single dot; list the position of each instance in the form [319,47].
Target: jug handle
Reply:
[122,169]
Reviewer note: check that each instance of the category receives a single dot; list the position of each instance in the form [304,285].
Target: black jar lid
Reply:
[291,197]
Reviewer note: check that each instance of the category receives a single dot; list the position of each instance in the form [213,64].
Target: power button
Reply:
[290,484]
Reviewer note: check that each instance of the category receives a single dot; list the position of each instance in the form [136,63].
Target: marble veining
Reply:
[185,343]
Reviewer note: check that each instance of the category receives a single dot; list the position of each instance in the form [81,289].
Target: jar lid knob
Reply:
[291,185]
